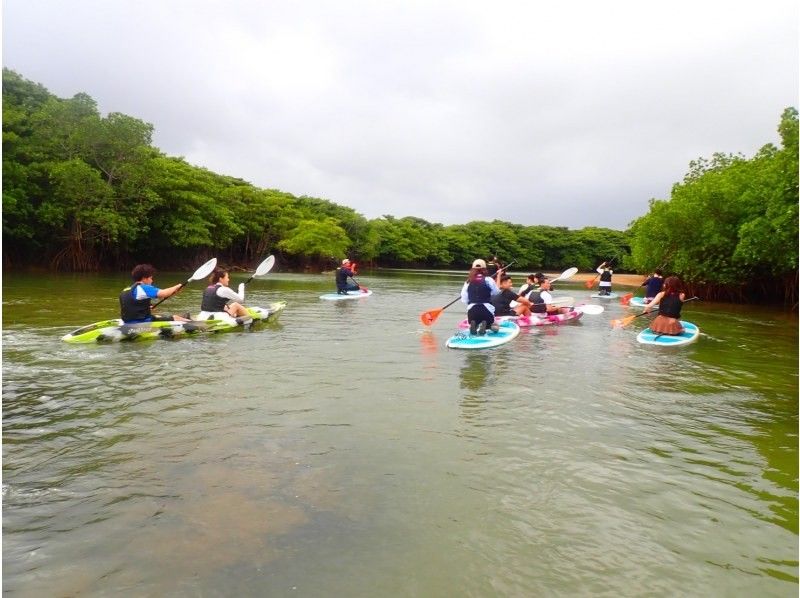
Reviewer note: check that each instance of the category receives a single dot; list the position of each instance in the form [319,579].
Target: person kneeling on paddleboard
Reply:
[654,285]
[670,300]
[477,293]
[217,295]
[134,301]
[342,274]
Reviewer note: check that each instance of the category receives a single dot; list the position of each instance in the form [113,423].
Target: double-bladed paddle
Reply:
[263,268]
[201,272]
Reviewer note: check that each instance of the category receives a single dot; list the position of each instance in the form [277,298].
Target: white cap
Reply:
[478,264]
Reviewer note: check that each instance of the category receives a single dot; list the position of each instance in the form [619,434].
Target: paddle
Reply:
[430,316]
[568,273]
[591,309]
[622,322]
[263,268]
[590,283]
[201,272]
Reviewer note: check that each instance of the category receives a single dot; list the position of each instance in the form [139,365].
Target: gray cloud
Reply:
[573,114]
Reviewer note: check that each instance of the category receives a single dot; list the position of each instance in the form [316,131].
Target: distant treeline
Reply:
[86,192]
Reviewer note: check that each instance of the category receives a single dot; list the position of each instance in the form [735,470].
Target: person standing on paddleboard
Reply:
[494,266]
[670,300]
[654,285]
[605,273]
[218,294]
[342,274]
[134,301]
[477,294]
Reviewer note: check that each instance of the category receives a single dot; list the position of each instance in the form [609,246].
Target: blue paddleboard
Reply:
[464,340]
[638,302]
[689,335]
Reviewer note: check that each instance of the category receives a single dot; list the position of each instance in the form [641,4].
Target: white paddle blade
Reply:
[265,266]
[205,269]
[592,310]
[569,273]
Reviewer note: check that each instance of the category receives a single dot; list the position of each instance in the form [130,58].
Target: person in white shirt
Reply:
[219,297]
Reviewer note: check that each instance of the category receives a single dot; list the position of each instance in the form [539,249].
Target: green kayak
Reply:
[108,331]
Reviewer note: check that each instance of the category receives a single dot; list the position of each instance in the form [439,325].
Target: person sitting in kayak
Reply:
[342,274]
[531,282]
[477,293]
[134,301]
[605,273]
[654,285]
[669,300]
[218,296]
[542,300]
[502,301]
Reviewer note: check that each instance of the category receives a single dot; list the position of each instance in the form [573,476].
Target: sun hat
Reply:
[478,264]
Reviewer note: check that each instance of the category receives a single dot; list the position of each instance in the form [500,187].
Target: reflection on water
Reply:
[347,452]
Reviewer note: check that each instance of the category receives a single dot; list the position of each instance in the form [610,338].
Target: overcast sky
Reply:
[571,113]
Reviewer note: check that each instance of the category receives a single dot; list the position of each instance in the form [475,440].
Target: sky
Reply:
[572,113]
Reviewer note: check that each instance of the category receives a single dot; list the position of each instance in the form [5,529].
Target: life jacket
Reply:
[670,306]
[212,301]
[605,276]
[479,291]
[539,306]
[132,309]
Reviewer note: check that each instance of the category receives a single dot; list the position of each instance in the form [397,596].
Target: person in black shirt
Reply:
[502,302]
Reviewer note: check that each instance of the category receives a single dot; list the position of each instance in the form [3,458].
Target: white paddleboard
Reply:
[349,295]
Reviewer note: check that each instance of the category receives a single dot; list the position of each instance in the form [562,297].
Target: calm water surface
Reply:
[346,452]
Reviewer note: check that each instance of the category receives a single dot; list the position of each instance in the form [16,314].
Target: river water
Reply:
[344,451]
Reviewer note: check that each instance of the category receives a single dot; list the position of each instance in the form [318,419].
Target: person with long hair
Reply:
[477,294]
[670,300]
[218,296]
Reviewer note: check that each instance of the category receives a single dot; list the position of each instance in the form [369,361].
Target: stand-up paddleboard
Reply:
[689,335]
[609,296]
[639,302]
[464,340]
[349,295]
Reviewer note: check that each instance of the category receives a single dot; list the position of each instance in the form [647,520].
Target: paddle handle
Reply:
[160,301]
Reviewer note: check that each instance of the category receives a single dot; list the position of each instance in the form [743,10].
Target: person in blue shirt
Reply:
[653,284]
[477,293]
[134,301]
[342,274]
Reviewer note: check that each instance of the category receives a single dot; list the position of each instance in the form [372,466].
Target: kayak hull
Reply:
[536,320]
[463,340]
[689,335]
[115,330]
[349,295]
